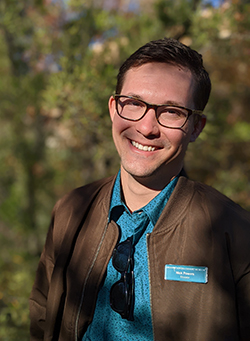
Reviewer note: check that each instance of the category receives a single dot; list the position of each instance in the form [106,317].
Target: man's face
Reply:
[161,157]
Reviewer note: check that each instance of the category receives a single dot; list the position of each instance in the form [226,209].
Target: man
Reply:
[148,254]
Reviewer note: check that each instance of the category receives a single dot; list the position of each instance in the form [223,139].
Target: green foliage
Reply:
[222,36]
[56,78]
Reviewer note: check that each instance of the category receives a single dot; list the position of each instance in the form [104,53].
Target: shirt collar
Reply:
[153,209]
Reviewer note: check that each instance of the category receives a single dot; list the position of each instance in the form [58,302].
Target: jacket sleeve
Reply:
[241,268]
[38,297]
[243,301]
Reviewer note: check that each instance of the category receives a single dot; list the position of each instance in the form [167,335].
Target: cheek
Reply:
[175,136]
[119,125]
[177,139]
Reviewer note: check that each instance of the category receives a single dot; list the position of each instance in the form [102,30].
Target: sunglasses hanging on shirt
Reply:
[122,291]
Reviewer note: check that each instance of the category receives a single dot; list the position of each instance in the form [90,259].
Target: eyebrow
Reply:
[167,102]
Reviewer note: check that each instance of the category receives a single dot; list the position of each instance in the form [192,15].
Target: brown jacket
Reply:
[199,226]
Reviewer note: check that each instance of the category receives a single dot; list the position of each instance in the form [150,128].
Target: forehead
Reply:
[160,83]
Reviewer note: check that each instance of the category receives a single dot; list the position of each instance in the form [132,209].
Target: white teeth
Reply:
[141,147]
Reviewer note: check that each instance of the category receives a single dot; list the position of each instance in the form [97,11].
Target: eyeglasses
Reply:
[122,292]
[169,116]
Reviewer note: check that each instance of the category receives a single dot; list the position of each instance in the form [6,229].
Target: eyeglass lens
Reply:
[134,109]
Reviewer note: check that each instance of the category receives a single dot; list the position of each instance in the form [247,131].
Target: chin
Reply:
[142,173]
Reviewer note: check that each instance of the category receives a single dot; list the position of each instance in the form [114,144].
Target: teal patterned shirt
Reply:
[107,324]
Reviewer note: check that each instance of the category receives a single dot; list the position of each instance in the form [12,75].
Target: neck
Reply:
[138,192]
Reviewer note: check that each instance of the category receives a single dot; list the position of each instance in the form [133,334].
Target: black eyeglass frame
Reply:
[155,107]
[127,279]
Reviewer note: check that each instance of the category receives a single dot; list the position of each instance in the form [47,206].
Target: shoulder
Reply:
[84,195]
[216,203]
[213,196]
[72,209]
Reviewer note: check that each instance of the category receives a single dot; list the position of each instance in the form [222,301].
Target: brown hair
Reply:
[171,51]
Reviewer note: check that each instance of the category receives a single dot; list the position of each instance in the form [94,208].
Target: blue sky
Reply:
[215,3]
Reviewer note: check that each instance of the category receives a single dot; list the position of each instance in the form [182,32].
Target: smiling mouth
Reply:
[141,147]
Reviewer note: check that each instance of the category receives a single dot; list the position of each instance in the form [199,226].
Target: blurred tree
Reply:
[24,172]
[222,35]
[177,17]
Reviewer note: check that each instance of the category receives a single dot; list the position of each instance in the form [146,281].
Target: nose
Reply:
[148,125]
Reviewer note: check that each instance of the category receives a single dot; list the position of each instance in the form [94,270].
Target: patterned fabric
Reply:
[107,324]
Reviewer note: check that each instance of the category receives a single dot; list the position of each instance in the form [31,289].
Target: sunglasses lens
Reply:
[121,256]
[118,297]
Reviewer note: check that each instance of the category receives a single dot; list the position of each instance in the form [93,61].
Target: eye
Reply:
[173,111]
[133,102]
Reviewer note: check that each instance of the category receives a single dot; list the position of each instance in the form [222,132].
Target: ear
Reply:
[199,124]
[112,108]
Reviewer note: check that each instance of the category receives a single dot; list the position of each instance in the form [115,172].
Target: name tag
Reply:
[186,273]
